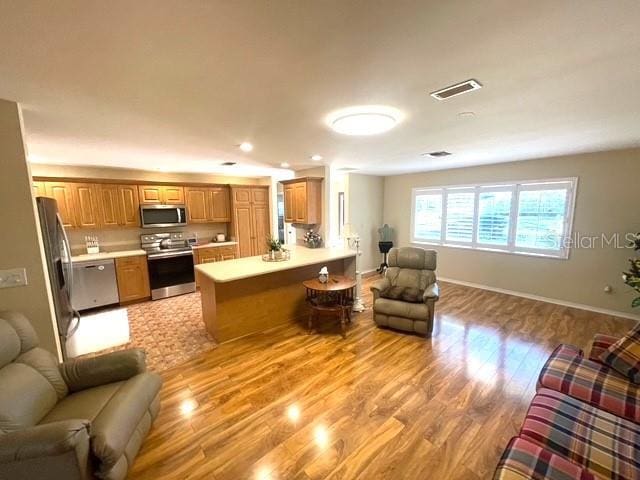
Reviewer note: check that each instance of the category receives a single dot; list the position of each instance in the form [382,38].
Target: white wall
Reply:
[365,212]
[606,202]
[20,241]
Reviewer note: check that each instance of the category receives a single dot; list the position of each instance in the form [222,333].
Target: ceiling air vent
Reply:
[228,164]
[457,89]
[347,169]
[441,153]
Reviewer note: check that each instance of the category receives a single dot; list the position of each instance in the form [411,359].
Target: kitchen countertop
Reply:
[86,257]
[248,267]
[214,244]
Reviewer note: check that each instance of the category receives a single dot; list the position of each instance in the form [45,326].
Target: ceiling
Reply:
[177,86]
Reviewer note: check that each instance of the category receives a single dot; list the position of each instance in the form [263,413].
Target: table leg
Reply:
[343,323]
[310,322]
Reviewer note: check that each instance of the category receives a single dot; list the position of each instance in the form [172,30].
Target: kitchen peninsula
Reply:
[249,295]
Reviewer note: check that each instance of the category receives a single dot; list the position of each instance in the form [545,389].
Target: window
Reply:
[520,217]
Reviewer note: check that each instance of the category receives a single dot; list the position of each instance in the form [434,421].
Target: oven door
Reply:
[171,274]
[154,216]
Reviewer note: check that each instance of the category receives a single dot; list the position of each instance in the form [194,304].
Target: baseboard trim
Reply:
[555,301]
[369,273]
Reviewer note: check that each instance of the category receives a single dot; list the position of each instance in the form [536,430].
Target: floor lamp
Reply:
[354,243]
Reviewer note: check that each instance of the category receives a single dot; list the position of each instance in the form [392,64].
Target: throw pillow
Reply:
[624,355]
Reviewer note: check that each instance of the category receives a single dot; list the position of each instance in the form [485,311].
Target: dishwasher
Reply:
[94,284]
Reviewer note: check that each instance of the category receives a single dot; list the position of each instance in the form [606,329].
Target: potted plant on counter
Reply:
[312,239]
[276,250]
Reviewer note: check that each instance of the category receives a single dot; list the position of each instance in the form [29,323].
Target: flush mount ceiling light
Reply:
[364,119]
[316,158]
[246,147]
[285,165]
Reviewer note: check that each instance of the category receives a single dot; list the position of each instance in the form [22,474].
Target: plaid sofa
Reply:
[583,423]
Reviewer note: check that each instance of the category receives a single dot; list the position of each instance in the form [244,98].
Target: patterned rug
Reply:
[170,330]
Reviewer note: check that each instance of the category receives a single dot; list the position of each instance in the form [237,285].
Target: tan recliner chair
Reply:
[410,284]
[82,419]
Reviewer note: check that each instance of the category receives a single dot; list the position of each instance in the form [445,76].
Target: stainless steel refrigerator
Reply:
[58,253]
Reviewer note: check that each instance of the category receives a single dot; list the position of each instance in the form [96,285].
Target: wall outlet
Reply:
[15,277]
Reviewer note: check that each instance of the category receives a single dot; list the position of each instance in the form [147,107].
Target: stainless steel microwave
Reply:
[158,216]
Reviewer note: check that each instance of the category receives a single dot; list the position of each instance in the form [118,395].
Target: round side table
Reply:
[332,298]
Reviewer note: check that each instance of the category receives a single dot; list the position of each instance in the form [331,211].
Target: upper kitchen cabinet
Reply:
[119,205]
[39,189]
[207,204]
[161,194]
[129,205]
[62,192]
[303,200]
[87,205]
[219,205]
[197,204]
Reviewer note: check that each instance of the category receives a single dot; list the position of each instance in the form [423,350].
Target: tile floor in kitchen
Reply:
[171,330]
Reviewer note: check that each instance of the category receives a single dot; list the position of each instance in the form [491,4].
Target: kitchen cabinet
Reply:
[161,194]
[86,205]
[133,278]
[129,205]
[197,204]
[119,206]
[251,219]
[303,200]
[213,254]
[39,189]
[219,211]
[207,204]
[62,192]
[110,210]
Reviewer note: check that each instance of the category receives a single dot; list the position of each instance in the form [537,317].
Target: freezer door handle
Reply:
[67,249]
[72,330]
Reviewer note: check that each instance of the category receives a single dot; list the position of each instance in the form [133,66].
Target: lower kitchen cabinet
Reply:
[133,278]
[213,254]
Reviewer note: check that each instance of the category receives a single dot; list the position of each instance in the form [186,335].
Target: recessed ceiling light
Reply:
[364,119]
[316,158]
[440,153]
[284,165]
[228,164]
[246,147]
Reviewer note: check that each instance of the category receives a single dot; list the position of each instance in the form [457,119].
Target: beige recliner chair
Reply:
[405,298]
[81,419]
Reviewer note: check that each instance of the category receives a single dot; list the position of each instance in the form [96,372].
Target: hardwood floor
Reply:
[378,405]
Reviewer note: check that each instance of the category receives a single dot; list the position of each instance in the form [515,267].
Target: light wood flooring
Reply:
[378,405]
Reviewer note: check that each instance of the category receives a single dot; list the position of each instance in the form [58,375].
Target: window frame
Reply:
[568,183]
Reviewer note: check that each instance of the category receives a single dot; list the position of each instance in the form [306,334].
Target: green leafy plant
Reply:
[274,244]
[632,277]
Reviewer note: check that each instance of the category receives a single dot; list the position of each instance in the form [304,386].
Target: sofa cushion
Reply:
[25,397]
[399,308]
[9,343]
[405,294]
[113,427]
[567,371]
[86,404]
[624,355]
[523,460]
[603,443]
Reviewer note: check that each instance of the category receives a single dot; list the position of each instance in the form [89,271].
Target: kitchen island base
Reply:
[233,309]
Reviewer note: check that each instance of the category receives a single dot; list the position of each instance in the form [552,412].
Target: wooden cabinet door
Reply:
[63,194]
[129,205]
[150,194]
[87,205]
[260,196]
[110,206]
[261,228]
[208,255]
[300,202]
[197,204]
[289,204]
[133,278]
[219,211]
[244,229]
[172,195]
[39,189]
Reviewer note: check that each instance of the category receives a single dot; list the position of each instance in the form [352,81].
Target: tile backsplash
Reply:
[129,238]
